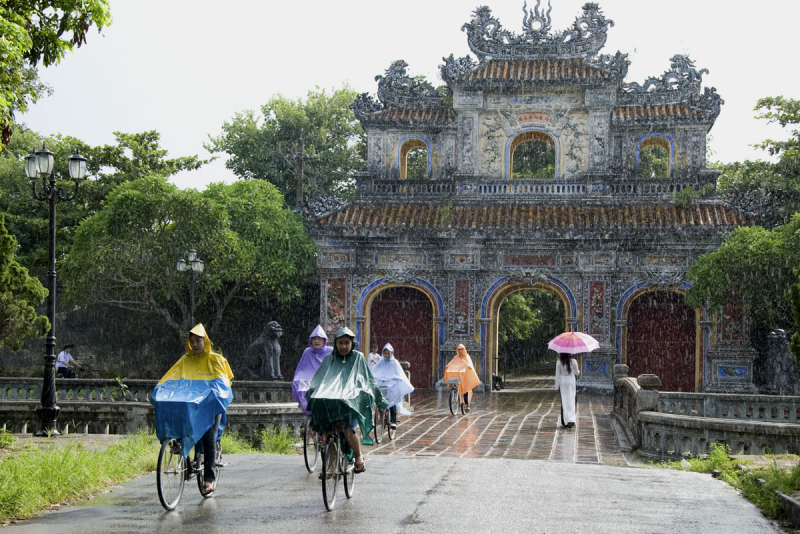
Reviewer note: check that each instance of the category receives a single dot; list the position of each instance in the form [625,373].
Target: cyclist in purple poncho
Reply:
[309,363]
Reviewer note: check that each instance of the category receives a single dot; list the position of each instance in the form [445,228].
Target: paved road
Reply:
[520,422]
[444,473]
[260,493]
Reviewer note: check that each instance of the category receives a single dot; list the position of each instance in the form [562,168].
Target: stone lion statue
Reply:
[782,371]
[262,359]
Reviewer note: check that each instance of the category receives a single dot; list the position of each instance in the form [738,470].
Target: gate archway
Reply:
[403,316]
[661,338]
[490,315]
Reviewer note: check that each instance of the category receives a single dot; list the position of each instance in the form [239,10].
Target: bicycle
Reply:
[336,465]
[311,442]
[382,419]
[455,400]
[173,471]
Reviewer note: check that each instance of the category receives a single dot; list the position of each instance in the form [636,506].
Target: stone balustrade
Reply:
[767,408]
[479,187]
[98,406]
[100,417]
[670,425]
[102,390]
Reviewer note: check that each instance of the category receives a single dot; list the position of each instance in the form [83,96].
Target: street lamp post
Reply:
[40,165]
[195,267]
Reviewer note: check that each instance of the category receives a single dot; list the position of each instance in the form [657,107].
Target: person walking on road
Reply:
[567,372]
[373,357]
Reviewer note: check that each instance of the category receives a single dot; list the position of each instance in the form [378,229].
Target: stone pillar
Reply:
[596,369]
[620,371]
[731,368]
[647,398]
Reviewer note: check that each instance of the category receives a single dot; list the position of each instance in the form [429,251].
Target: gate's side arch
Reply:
[622,322]
[371,291]
[490,314]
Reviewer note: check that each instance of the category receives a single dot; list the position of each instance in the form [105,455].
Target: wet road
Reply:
[520,422]
[261,493]
[441,473]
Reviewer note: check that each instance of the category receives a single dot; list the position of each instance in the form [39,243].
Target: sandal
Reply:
[208,489]
[359,467]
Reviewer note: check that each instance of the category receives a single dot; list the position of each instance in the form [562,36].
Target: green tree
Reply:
[34,32]
[768,191]
[417,164]
[534,159]
[125,254]
[132,157]
[264,147]
[756,264]
[654,162]
[528,320]
[19,294]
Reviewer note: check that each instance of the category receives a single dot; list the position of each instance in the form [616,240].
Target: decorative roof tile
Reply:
[520,216]
[666,112]
[408,117]
[535,72]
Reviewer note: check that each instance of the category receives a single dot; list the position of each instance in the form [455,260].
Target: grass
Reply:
[757,485]
[32,479]
[271,441]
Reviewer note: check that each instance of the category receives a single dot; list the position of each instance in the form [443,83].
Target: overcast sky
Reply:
[184,67]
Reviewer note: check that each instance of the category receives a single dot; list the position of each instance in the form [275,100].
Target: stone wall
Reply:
[666,425]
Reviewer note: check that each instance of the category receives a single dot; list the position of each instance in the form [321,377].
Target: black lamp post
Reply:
[39,165]
[195,268]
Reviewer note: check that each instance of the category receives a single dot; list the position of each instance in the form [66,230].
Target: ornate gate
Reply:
[403,316]
[662,339]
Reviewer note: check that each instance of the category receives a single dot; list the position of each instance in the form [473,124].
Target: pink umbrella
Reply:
[573,343]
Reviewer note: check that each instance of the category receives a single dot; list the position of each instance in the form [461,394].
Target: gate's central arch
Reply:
[494,301]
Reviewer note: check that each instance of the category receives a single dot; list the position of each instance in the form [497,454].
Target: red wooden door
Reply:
[403,317]
[661,339]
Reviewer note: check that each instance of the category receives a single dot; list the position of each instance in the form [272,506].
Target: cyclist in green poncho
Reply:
[344,390]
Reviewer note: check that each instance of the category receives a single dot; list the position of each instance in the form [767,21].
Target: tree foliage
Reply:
[768,191]
[264,147]
[34,32]
[654,162]
[528,320]
[534,159]
[132,157]
[125,254]
[417,164]
[756,264]
[19,294]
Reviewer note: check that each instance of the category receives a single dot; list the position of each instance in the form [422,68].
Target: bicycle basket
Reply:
[454,381]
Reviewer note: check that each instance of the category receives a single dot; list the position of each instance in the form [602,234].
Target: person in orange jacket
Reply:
[461,366]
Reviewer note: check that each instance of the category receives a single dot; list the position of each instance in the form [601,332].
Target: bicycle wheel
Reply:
[310,448]
[377,427]
[453,400]
[199,458]
[387,423]
[330,472]
[348,473]
[170,473]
